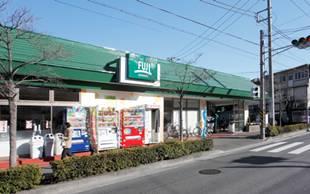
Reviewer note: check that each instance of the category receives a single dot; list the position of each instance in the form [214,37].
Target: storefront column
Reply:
[246,112]
[203,119]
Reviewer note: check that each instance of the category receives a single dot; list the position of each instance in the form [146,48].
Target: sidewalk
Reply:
[43,163]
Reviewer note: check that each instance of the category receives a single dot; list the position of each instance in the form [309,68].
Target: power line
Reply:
[228,5]
[231,8]
[307,2]
[234,21]
[294,30]
[292,20]
[196,22]
[300,9]
[102,14]
[188,49]
[171,27]
[189,45]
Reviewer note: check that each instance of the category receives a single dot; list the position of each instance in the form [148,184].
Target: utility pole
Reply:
[262,85]
[271,78]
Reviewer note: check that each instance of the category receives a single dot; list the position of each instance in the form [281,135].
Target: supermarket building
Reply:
[92,76]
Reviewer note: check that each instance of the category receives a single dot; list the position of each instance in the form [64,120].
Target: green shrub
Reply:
[276,130]
[114,160]
[20,178]
[272,131]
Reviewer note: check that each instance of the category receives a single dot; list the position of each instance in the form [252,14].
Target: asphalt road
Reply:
[277,168]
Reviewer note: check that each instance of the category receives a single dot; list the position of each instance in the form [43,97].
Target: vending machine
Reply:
[77,117]
[132,127]
[107,125]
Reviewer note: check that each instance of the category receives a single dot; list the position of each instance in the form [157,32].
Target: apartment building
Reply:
[292,94]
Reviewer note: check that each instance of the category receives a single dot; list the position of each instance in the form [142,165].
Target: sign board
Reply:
[139,70]
[140,67]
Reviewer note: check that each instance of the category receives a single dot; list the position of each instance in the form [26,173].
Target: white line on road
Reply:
[300,150]
[267,147]
[285,147]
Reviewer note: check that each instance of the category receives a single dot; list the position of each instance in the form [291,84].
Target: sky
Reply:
[221,35]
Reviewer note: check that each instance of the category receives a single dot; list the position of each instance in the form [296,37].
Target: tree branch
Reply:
[18,67]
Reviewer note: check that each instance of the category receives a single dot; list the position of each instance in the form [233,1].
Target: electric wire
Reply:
[102,14]
[172,27]
[195,22]
[214,37]
[300,9]
[228,5]
[189,45]
[307,2]
[231,8]
[189,49]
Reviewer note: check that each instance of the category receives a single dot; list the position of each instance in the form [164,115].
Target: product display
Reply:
[132,127]
[77,117]
[107,129]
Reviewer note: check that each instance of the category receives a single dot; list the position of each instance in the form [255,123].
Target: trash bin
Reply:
[49,145]
[59,138]
[36,146]
[231,127]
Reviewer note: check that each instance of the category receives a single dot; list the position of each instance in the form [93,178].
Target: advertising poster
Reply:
[3,126]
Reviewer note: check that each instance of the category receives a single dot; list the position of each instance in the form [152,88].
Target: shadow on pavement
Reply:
[274,166]
[259,160]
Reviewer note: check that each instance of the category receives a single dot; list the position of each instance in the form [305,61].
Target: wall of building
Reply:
[122,100]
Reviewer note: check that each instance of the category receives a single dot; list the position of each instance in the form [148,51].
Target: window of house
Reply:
[283,78]
[298,75]
[33,93]
[302,74]
[290,77]
[71,95]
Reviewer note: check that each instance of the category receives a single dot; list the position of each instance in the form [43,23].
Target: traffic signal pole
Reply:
[271,77]
[262,86]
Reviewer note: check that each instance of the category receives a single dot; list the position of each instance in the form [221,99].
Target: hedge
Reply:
[114,160]
[20,178]
[276,130]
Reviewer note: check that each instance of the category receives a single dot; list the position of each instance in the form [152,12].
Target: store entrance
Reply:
[152,117]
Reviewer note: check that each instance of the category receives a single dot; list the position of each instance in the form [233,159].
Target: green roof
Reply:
[88,63]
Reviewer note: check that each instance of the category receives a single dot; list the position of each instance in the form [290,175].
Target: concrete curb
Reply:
[84,184]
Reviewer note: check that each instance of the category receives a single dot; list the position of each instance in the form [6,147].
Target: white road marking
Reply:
[300,150]
[285,147]
[267,147]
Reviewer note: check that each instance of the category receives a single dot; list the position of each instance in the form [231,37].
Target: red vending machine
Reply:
[132,127]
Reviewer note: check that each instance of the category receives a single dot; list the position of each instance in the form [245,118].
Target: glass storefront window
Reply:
[27,116]
[193,104]
[4,122]
[33,93]
[66,95]
[191,116]
[59,119]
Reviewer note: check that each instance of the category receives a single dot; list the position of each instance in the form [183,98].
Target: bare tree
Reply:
[187,77]
[18,27]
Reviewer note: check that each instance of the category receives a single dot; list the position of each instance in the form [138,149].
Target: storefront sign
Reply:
[139,70]
[140,67]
